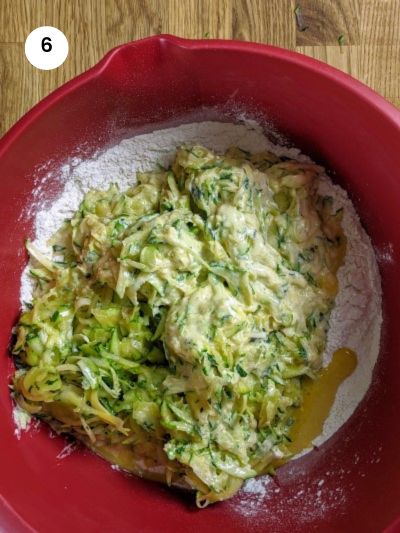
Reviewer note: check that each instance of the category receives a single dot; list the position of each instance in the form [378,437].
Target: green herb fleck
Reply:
[302,352]
[212,360]
[55,316]
[241,371]
[58,248]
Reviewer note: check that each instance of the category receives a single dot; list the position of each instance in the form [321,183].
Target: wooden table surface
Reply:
[369,49]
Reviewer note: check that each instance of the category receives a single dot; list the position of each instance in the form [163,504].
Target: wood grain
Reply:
[370,50]
[326,21]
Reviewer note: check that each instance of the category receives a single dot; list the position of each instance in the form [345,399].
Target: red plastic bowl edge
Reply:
[363,91]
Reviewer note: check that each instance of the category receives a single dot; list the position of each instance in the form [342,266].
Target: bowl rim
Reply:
[371,97]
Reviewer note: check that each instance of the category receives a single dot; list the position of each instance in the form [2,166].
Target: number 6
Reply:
[46,44]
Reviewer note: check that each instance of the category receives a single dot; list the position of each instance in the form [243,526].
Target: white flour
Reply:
[355,321]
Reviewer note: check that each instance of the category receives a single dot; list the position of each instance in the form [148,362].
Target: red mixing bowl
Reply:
[337,120]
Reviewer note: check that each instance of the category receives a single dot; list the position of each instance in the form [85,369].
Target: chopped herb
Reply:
[281,239]
[196,192]
[58,248]
[225,175]
[302,352]
[310,278]
[241,371]
[166,205]
[212,360]
[181,448]
[55,316]
[106,404]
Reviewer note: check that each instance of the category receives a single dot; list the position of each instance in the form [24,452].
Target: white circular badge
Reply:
[46,48]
